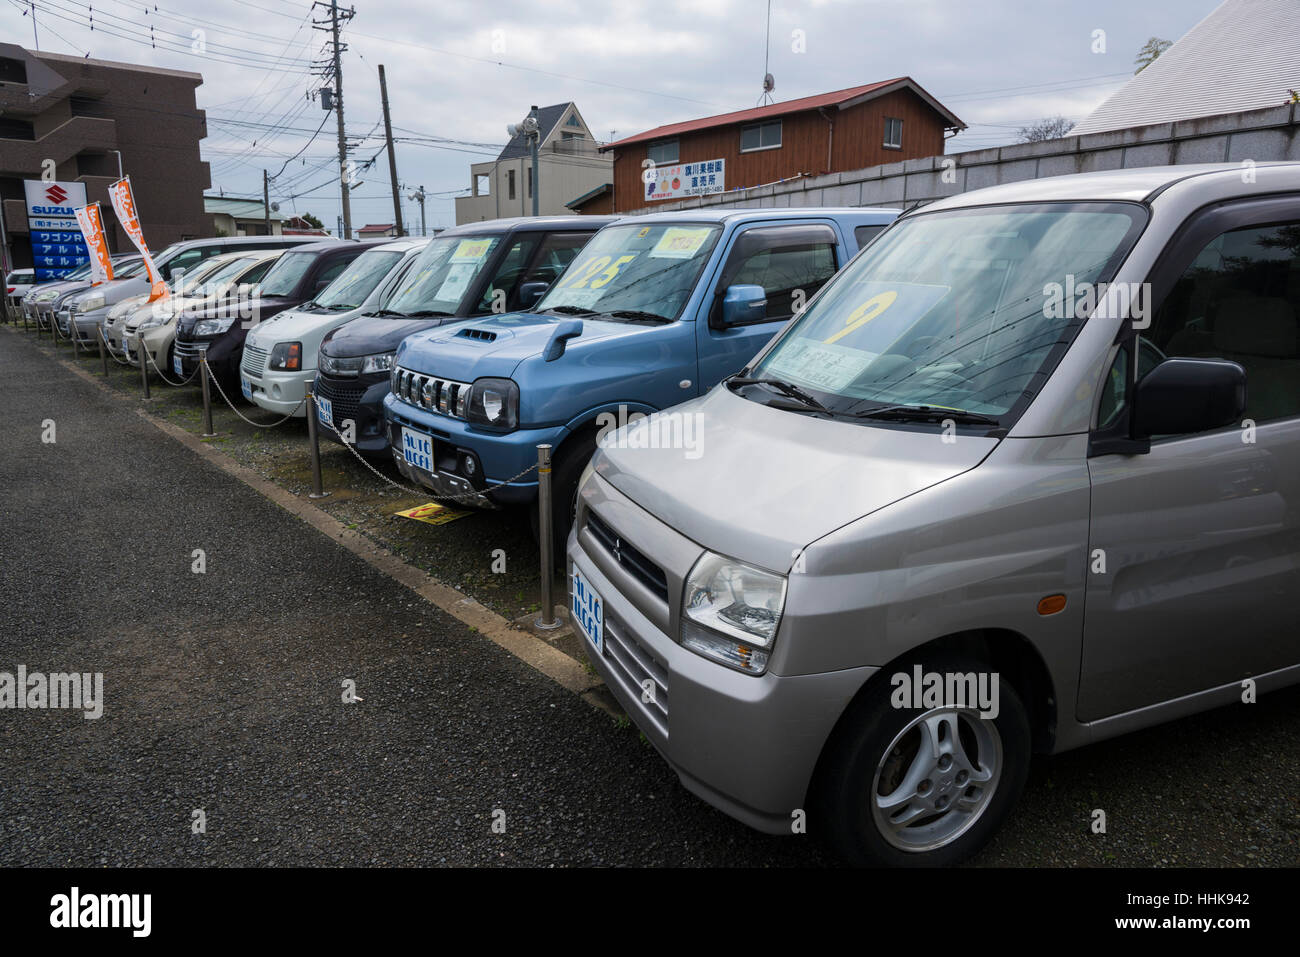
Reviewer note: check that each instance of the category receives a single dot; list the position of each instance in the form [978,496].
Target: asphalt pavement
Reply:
[223,693]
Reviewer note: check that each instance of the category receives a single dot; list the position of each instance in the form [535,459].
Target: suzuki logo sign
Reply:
[56,194]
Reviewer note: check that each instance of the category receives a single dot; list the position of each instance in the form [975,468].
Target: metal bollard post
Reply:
[545,535]
[144,365]
[38,326]
[103,351]
[208,431]
[312,437]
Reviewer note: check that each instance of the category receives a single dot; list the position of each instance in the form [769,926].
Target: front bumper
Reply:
[498,456]
[746,744]
[361,400]
[279,392]
[223,355]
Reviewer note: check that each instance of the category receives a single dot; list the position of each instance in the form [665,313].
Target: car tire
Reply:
[874,773]
[566,470]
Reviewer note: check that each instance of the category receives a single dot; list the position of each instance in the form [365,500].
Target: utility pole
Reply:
[335,15]
[266,202]
[418,196]
[392,156]
[536,137]
[35,36]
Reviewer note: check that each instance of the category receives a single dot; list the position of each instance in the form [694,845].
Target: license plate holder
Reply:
[417,449]
[587,610]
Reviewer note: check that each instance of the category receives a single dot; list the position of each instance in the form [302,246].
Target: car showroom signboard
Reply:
[57,244]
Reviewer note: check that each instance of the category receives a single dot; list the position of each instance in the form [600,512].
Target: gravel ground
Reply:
[223,693]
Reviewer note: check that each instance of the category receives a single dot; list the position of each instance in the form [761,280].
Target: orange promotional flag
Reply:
[92,228]
[124,206]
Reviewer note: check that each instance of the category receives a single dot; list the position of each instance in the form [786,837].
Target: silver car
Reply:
[1023,476]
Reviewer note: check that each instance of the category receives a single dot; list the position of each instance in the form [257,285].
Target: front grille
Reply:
[188,350]
[344,399]
[254,360]
[643,676]
[431,393]
[629,557]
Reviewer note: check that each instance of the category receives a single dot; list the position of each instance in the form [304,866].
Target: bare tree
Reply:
[1152,49]
[1048,128]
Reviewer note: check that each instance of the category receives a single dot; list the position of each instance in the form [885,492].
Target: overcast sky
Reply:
[458,72]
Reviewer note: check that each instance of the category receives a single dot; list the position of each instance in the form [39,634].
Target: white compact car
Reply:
[17,284]
[279,360]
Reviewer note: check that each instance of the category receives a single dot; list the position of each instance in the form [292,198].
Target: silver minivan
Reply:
[1023,476]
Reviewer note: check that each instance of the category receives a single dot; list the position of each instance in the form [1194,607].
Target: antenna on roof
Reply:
[769,84]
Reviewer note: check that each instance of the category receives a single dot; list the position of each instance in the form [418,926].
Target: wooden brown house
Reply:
[831,132]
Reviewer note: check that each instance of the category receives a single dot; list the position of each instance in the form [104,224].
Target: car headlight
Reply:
[494,403]
[90,304]
[213,327]
[123,307]
[731,612]
[46,296]
[286,356]
[152,321]
[379,363]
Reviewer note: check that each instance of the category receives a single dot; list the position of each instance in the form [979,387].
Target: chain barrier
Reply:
[149,356]
[257,425]
[420,492]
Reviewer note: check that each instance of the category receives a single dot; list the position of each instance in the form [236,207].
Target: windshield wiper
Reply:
[785,388]
[422,313]
[572,310]
[337,307]
[926,413]
[637,315]
[387,312]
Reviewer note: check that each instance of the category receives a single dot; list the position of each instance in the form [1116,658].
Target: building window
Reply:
[893,133]
[573,121]
[510,184]
[760,136]
[482,184]
[530,182]
[662,153]
[571,136]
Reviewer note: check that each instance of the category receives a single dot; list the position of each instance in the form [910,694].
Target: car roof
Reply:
[726,214]
[1134,185]
[529,223]
[405,244]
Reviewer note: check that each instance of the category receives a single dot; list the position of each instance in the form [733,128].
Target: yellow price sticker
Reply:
[471,250]
[600,271]
[860,316]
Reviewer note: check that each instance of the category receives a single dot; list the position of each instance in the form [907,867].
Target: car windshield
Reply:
[128,270]
[184,283]
[350,289]
[643,272]
[282,278]
[955,310]
[81,272]
[212,283]
[25,275]
[447,269]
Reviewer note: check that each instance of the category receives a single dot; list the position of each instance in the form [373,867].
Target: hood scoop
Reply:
[481,335]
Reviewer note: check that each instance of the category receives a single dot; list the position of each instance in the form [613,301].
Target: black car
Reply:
[298,275]
[500,265]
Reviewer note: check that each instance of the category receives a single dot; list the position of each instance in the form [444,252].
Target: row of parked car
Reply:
[1019,473]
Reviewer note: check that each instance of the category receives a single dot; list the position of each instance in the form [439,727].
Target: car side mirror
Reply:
[1185,396]
[531,292]
[743,305]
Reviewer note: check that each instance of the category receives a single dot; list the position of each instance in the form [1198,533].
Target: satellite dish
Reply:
[769,83]
[275,207]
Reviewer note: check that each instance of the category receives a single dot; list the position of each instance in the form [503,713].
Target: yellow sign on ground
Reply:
[433,514]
